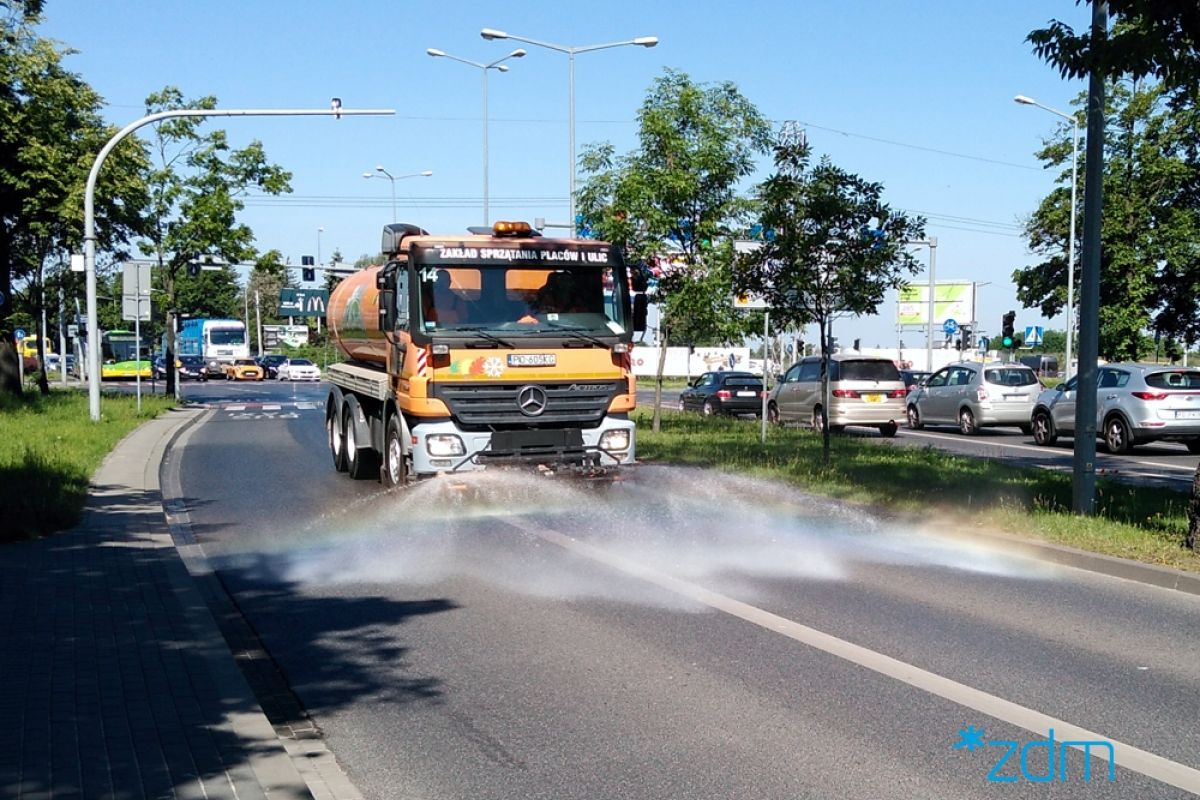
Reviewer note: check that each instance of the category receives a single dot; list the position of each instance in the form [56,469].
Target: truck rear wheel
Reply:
[395,466]
[360,462]
[337,447]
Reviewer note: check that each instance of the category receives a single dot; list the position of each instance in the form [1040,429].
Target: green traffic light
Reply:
[1007,341]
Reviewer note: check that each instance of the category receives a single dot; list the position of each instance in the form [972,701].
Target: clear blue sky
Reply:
[888,90]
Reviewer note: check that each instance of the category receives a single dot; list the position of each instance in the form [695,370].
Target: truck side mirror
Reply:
[387,299]
[640,306]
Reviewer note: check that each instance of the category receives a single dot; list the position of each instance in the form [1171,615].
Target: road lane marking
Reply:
[1041,450]
[1127,756]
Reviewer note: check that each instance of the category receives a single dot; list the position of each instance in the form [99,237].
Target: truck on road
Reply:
[499,347]
[219,342]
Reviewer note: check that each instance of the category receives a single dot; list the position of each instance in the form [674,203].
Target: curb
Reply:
[1112,566]
[289,724]
[271,765]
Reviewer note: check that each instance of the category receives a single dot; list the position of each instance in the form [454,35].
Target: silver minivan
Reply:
[974,395]
[864,390]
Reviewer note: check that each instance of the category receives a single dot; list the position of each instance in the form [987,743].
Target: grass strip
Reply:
[49,448]
[1138,522]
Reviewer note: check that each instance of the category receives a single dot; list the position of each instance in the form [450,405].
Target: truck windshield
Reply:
[522,300]
[226,336]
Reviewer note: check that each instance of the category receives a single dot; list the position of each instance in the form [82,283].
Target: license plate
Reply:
[872,398]
[531,359]
[747,394]
[1187,415]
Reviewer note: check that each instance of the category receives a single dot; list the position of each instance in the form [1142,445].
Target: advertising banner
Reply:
[302,302]
[688,362]
[951,300]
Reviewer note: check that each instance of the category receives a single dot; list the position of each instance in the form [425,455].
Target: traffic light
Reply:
[309,273]
[1008,330]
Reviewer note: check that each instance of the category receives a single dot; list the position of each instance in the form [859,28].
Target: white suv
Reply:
[974,395]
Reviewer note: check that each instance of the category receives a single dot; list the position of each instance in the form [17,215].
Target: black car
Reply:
[723,393]
[190,368]
[270,363]
[913,377]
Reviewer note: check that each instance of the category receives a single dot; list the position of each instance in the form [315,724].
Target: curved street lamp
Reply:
[380,172]
[499,67]
[1029,101]
[641,41]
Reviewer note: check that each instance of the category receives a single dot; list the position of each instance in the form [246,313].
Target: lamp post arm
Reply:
[89,209]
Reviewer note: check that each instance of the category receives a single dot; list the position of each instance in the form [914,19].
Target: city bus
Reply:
[119,357]
[217,341]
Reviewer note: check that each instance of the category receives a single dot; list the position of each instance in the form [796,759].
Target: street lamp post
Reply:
[320,230]
[499,67]
[931,243]
[1028,101]
[641,41]
[89,207]
[393,178]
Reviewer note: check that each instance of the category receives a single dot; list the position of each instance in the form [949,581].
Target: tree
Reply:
[677,192]
[264,283]
[834,247]
[1150,265]
[1159,38]
[700,305]
[196,191]
[51,129]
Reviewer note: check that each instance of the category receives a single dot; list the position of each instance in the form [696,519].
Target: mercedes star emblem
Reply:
[531,400]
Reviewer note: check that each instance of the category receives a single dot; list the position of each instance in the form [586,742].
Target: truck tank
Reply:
[353,318]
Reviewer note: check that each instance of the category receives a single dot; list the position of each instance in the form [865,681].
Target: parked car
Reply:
[975,395]
[1135,404]
[912,377]
[54,363]
[723,393]
[243,369]
[863,390]
[270,363]
[297,369]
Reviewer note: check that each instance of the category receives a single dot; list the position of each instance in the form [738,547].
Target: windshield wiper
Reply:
[576,332]
[478,330]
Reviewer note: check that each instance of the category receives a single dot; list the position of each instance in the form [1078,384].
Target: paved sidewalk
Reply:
[114,679]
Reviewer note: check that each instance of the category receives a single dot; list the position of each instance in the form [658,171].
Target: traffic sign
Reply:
[19,333]
[1033,334]
[749,301]
[950,327]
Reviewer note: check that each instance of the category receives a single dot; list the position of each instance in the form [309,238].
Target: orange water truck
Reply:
[500,347]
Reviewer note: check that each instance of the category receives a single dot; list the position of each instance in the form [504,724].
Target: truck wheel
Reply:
[337,447]
[395,467]
[360,462]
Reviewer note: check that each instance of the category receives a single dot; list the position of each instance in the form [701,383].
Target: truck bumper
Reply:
[590,450]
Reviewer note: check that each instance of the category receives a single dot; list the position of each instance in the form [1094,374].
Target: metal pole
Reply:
[932,244]
[1083,484]
[1067,371]
[171,366]
[486,215]
[258,319]
[89,209]
[62,337]
[766,332]
[571,137]
[137,337]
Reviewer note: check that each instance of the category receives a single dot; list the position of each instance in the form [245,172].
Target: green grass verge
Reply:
[953,492]
[49,448]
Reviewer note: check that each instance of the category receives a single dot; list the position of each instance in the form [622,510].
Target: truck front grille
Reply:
[498,405]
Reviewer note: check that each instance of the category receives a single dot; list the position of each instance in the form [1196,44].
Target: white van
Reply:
[864,390]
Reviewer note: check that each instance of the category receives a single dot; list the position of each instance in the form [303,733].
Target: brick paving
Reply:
[114,680]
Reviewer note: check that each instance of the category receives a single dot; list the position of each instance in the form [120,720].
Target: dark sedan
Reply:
[270,363]
[189,367]
[913,377]
[723,393]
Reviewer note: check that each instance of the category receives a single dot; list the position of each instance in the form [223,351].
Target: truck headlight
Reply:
[444,444]
[615,440]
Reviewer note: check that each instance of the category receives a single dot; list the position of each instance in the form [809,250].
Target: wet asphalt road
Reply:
[451,644]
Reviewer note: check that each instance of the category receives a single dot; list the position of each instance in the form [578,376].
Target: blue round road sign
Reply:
[949,327]
[19,333]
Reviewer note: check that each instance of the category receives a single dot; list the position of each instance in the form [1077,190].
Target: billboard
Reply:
[302,302]
[951,300]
